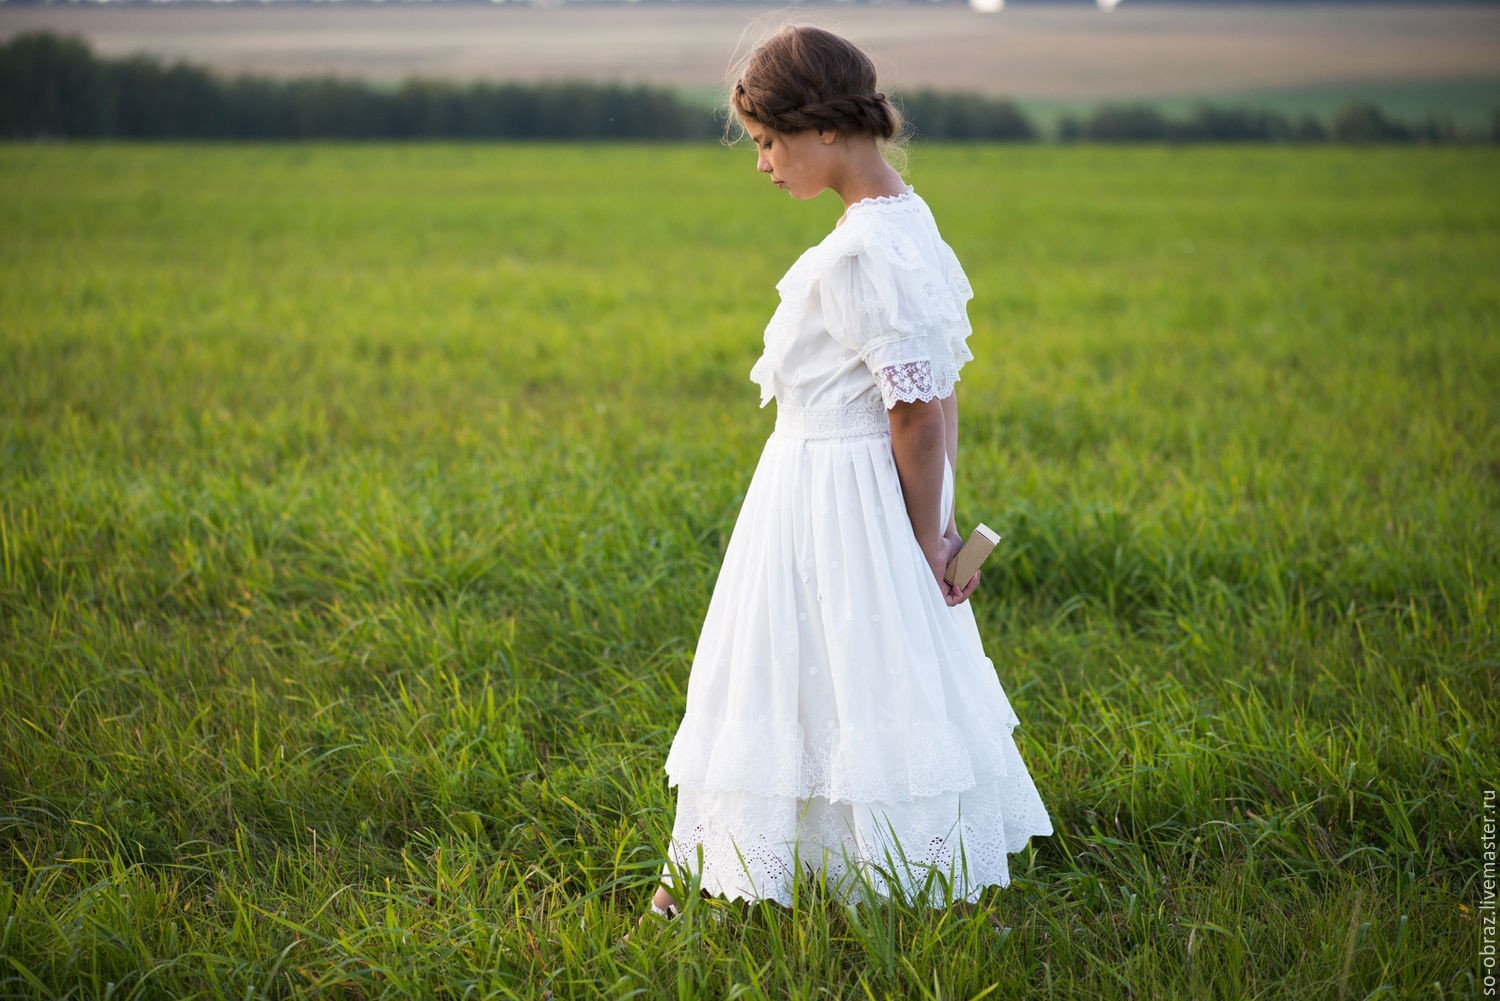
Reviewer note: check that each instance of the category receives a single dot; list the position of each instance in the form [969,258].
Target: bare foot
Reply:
[662,905]
[664,901]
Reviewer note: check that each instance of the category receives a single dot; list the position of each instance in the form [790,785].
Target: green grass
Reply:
[359,507]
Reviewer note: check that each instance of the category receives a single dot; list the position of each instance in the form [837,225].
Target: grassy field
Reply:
[359,507]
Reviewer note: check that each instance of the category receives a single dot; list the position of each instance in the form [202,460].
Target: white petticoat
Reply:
[840,715]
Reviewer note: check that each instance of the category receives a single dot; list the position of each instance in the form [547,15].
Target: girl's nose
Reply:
[762,164]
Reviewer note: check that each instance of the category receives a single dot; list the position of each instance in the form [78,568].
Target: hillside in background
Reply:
[1431,59]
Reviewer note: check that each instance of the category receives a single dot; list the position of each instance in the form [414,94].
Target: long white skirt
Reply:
[841,719]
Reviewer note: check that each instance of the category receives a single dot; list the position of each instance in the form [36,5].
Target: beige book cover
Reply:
[976,548]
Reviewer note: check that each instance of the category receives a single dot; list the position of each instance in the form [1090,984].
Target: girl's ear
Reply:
[827,135]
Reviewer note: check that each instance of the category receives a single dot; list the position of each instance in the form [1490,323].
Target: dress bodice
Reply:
[873,314]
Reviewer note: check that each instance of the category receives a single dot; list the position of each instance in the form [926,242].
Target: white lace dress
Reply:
[840,716]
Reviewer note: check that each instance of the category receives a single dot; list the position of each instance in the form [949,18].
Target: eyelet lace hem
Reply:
[944,849]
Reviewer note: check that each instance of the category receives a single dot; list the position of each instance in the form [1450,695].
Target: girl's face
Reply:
[800,163]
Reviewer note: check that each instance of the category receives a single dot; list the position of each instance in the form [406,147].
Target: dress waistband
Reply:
[851,421]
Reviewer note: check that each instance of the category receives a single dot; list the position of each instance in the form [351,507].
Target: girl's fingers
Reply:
[959,596]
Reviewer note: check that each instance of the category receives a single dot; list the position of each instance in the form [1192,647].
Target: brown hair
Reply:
[805,78]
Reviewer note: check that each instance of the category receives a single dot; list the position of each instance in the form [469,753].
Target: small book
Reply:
[976,548]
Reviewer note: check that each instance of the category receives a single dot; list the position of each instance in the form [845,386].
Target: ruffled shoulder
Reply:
[888,287]
[889,283]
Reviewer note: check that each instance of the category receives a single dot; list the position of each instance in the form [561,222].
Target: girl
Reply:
[842,717]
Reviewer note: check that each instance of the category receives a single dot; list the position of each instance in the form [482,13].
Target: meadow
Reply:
[359,506]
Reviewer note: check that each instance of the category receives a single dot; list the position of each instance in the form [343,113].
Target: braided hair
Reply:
[805,78]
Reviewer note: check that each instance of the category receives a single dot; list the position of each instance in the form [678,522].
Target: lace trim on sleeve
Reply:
[908,382]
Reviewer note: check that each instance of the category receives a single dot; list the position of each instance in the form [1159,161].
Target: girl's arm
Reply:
[919,442]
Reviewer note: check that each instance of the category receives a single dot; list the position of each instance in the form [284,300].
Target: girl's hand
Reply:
[953,594]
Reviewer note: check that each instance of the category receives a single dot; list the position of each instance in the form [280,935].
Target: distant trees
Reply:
[53,86]
[1355,122]
[1362,122]
[1135,123]
[965,117]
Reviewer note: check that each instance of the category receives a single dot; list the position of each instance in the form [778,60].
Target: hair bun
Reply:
[805,78]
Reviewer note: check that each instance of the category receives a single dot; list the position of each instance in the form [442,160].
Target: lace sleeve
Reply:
[907,382]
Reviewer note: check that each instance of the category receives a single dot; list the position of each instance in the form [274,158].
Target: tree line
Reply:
[53,86]
[1355,122]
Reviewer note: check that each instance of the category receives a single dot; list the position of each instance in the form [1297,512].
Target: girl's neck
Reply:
[865,174]
[879,182]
